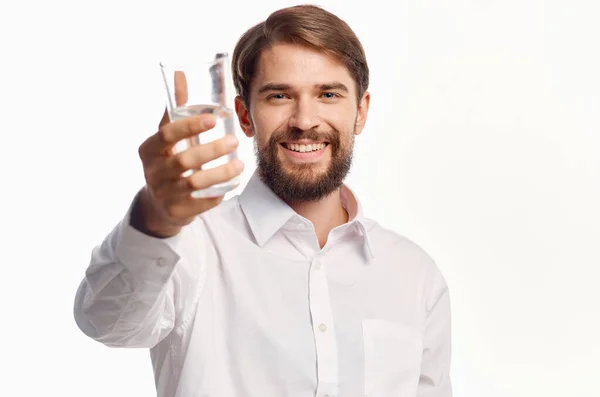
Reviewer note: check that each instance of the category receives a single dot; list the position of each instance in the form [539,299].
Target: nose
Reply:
[305,115]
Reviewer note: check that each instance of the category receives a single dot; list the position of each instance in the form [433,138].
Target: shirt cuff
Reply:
[146,257]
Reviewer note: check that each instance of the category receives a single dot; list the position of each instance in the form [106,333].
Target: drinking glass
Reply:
[196,87]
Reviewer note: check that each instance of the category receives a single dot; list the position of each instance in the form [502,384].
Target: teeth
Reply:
[305,148]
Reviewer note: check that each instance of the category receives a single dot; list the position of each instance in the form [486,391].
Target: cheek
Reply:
[270,117]
[343,120]
[264,125]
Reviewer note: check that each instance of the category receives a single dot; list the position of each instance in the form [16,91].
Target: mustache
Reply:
[295,134]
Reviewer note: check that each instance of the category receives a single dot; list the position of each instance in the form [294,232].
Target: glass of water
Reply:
[196,87]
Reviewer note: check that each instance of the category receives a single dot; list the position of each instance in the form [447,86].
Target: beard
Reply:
[295,183]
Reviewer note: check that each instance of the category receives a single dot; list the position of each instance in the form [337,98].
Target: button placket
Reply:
[322,318]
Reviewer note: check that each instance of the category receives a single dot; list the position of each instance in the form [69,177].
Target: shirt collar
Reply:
[267,213]
[355,214]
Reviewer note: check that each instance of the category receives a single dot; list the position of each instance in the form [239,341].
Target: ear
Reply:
[363,109]
[244,117]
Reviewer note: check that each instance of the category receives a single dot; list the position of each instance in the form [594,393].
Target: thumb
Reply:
[165,119]
[180,87]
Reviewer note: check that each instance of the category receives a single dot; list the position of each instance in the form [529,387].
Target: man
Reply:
[286,289]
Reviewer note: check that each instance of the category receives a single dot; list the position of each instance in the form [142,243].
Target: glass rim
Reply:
[220,57]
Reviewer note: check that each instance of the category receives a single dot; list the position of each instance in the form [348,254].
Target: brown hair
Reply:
[306,25]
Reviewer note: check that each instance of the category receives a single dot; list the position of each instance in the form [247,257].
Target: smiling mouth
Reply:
[294,147]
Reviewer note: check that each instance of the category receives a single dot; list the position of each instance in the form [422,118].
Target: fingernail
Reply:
[207,122]
[239,165]
[231,140]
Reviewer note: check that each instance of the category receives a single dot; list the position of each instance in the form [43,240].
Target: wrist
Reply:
[146,218]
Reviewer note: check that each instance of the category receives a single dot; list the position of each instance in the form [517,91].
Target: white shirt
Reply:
[244,303]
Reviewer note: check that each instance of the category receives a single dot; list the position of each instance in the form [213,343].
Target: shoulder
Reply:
[399,253]
[392,244]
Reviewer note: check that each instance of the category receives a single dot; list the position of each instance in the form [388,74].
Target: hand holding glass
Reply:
[197,88]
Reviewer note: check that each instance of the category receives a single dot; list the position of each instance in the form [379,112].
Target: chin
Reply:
[307,171]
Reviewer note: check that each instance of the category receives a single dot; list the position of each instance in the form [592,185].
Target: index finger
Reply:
[171,133]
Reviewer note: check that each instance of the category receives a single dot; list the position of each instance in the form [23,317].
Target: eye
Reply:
[330,95]
[277,96]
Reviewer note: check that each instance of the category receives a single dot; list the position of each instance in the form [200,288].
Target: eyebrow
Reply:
[273,87]
[336,85]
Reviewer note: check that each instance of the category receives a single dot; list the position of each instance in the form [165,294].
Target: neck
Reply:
[325,214]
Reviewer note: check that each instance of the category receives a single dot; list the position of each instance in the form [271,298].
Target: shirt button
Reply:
[318,265]
[323,328]
[162,262]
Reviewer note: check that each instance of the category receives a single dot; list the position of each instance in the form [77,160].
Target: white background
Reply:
[482,146]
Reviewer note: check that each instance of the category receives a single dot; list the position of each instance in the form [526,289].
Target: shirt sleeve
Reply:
[435,367]
[127,296]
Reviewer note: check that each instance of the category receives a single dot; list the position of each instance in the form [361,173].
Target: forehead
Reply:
[299,67]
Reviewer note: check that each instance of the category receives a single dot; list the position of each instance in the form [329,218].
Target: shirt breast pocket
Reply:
[392,358]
